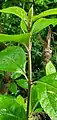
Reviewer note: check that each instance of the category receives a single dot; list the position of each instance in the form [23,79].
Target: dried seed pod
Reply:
[48,50]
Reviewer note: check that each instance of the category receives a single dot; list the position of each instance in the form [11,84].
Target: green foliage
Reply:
[21,101]
[30,15]
[35,105]
[45,3]
[10,109]
[22,38]
[23,26]
[34,99]
[42,2]
[42,23]
[22,83]
[37,65]
[50,68]
[17,11]
[12,26]
[45,13]
[47,94]
[15,75]
[12,87]
[13,59]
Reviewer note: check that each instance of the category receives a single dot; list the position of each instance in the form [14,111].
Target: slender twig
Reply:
[26,77]
[26,47]
[54,33]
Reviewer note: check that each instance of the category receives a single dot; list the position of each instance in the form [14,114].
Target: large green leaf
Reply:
[45,13]
[50,68]
[42,23]
[22,38]
[16,11]
[10,109]
[47,94]
[13,58]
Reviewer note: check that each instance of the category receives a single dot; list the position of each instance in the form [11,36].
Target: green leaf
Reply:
[45,13]
[38,110]
[50,68]
[12,87]
[23,26]
[34,98]
[22,83]
[22,38]
[10,109]
[47,94]
[13,59]
[21,101]
[42,23]
[16,11]
[15,75]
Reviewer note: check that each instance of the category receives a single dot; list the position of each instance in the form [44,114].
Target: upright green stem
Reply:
[30,14]
[29,82]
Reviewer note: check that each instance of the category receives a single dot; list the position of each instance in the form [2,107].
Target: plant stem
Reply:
[30,14]
[29,81]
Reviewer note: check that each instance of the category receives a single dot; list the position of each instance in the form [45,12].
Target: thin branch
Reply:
[54,33]
[26,77]
[26,47]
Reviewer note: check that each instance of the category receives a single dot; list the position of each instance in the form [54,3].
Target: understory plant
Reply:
[14,59]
